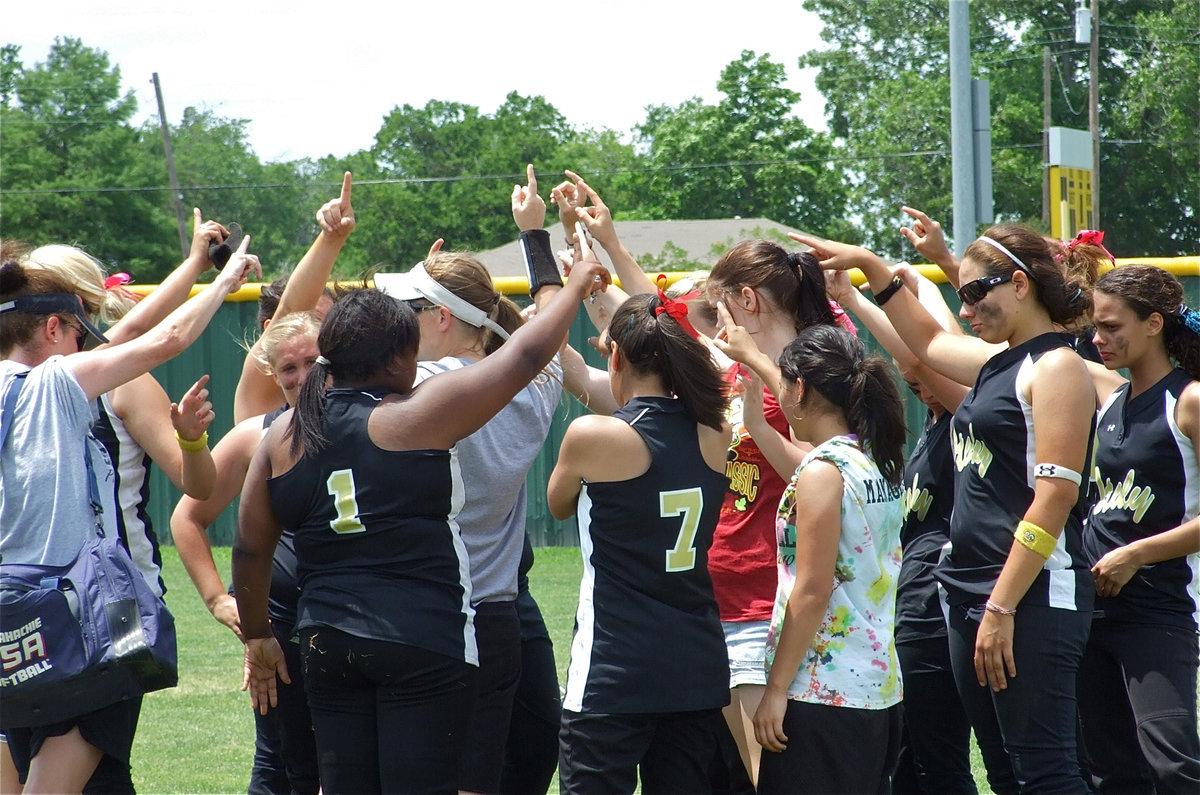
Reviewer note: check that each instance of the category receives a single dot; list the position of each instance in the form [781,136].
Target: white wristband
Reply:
[1057,471]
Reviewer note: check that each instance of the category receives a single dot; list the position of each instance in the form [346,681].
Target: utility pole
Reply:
[166,134]
[961,133]
[1047,120]
[1094,110]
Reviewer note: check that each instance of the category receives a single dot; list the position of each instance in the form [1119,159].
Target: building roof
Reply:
[700,242]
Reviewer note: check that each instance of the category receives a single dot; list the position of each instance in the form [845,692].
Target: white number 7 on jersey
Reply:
[341,487]
[690,503]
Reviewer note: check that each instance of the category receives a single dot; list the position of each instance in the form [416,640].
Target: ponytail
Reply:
[833,362]
[653,341]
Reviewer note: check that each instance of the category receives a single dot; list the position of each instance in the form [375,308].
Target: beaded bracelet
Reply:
[992,607]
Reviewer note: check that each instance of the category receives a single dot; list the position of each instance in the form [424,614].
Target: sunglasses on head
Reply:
[973,292]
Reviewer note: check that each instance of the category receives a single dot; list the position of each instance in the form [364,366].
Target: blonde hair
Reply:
[468,278]
[86,276]
[280,331]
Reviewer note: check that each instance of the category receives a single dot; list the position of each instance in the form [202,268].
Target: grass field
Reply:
[199,737]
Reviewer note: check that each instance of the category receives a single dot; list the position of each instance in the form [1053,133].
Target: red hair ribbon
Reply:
[1093,237]
[676,308]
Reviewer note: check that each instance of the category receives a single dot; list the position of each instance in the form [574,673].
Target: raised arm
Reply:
[927,238]
[598,220]
[256,392]
[172,434]
[478,392]
[953,355]
[174,289]
[108,367]
[947,391]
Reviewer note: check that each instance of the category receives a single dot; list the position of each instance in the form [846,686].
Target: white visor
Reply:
[418,284]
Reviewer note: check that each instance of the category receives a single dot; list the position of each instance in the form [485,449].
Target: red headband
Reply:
[1093,237]
[676,308]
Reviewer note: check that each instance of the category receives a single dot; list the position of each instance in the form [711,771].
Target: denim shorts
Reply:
[747,645]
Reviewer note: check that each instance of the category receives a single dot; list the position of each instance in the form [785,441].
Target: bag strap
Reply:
[8,403]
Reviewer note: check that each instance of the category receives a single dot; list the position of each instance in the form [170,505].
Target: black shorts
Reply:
[110,729]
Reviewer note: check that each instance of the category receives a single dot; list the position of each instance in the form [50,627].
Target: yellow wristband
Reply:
[192,445]
[1035,538]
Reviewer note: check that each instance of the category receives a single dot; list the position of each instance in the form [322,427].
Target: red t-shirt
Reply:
[742,558]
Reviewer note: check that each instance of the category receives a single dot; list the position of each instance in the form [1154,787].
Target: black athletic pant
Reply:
[388,717]
[531,753]
[1027,733]
[601,753]
[1137,702]
[935,748]
[498,637]
[833,750]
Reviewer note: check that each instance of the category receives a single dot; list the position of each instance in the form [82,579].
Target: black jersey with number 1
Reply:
[647,637]
[378,549]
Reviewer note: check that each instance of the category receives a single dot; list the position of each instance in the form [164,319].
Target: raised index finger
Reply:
[344,199]
[530,179]
[917,214]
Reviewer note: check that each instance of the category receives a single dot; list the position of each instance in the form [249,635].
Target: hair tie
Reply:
[678,310]
[321,360]
[1190,318]
[118,281]
[1092,237]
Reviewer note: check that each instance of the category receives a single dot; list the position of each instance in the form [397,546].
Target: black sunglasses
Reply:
[419,304]
[972,293]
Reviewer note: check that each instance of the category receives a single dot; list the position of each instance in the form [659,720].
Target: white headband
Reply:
[431,289]
[999,247]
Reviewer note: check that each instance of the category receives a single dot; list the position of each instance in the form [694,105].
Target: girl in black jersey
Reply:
[364,473]
[1137,684]
[648,674]
[1016,578]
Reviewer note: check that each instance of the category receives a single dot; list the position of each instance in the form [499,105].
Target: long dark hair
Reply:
[1063,285]
[1146,289]
[361,336]
[654,342]
[793,280]
[833,362]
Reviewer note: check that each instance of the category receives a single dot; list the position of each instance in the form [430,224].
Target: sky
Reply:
[317,79]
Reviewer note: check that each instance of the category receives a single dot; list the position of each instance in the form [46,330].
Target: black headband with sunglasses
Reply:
[53,304]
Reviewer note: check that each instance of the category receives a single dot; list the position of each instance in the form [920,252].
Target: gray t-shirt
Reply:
[45,510]
[494,461]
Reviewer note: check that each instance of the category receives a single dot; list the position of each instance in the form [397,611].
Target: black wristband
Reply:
[541,268]
[883,295]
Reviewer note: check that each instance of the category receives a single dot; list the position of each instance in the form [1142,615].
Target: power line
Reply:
[511,177]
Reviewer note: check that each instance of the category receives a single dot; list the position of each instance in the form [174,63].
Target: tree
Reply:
[748,155]
[67,143]
[886,80]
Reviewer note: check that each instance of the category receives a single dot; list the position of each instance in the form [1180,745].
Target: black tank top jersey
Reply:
[132,477]
[285,582]
[928,497]
[1147,483]
[647,633]
[378,552]
[993,448]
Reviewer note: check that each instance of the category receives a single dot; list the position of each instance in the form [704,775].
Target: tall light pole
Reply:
[1087,31]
